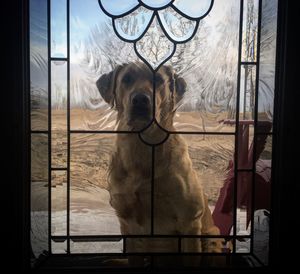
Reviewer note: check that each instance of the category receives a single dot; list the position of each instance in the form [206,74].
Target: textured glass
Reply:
[267,61]
[244,202]
[156,3]
[263,199]
[115,246]
[243,246]
[95,50]
[178,27]
[153,135]
[118,7]
[193,8]
[154,47]
[210,156]
[39,193]
[132,26]
[59,203]
[59,113]
[247,92]
[59,247]
[38,65]
[250,23]
[208,64]
[58,28]
[91,212]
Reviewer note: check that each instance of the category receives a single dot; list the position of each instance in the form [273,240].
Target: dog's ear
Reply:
[180,87]
[177,84]
[106,85]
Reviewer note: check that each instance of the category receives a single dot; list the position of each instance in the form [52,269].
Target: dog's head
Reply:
[129,88]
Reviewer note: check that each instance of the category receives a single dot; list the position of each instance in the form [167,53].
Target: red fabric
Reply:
[223,212]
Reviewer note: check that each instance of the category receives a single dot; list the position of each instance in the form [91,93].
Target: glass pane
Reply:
[59,203]
[118,7]
[263,172]
[95,51]
[244,203]
[178,27]
[215,245]
[38,65]
[195,8]
[261,235]
[58,28]
[39,193]
[59,247]
[247,92]
[262,197]
[208,64]
[133,25]
[243,246]
[267,61]
[97,247]
[96,197]
[154,47]
[59,113]
[156,3]
[201,162]
[245,144]
[250,23]
[151,245]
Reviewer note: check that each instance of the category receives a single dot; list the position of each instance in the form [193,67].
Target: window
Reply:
[225,52]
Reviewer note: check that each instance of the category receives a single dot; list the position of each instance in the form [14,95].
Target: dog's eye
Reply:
[127,79]
[158,79]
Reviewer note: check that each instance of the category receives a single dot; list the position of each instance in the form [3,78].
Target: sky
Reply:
[85,14]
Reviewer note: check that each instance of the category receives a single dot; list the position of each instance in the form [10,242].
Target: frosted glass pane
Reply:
[39,193]
[38,65]
[118,7]
[58,28]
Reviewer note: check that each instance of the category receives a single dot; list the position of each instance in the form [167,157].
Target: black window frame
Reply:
[16,116]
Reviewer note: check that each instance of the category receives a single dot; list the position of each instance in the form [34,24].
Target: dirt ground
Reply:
[90,153]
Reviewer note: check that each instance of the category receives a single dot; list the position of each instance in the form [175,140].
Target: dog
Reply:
[178,205]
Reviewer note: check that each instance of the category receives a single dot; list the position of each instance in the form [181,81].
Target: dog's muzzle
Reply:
[140,106]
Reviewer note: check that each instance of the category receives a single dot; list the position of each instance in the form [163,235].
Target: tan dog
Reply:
[179,204]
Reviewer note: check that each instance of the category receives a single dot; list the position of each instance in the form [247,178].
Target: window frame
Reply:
[18,107]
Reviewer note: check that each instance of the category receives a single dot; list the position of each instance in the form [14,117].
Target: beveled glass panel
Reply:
[194,8]
[118,7]
[59,247]
[267,61]
[132,26]
[115,246]
[59,113]
[178,27]
[59,203]
[244,203]
[250,30]
[243,245]
[38,65]
[39,194]
[58,28]
[263,183]
[156,3]
[247,92]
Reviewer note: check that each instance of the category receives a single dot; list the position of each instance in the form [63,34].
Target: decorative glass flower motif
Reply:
[156,26]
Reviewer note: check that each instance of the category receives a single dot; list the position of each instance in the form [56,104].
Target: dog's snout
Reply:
[140,100]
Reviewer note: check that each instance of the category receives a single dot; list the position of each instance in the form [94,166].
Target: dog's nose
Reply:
[140,100]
